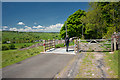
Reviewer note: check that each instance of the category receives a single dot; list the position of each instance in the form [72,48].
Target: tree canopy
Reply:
[100,21]
[74,25]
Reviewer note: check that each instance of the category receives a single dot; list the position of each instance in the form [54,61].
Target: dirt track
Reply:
[89,63]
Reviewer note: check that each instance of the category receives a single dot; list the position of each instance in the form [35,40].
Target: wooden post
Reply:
[77,46]
[75,41]
[44,45]
[115,48]
[53,43]
[48,44]
[112,46]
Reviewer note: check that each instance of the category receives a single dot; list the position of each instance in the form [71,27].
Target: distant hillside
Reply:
[25,37]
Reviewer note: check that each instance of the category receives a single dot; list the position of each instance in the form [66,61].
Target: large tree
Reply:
[102,19]
[74,25]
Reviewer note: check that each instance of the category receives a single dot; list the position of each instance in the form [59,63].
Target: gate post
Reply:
[76,49]
[48,44]
[79,44]
[44,46]
[112,44]
[53,43]
[75,46]
[115,48]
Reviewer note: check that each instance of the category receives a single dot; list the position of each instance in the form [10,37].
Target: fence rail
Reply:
[48,44]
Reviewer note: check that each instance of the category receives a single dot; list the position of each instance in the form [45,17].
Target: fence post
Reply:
[75,46]
[44,45]
[115,44]
[79,44]
[112,46]
[48,44]
[53,43]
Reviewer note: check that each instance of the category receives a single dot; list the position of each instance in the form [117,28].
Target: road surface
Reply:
[40,66]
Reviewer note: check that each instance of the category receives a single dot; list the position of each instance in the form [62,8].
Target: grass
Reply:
[10,57]
[26,36]
[84,41]
[59,45]
[19,45]
[86,66]
[107,45]
[62,45]
[112,61]
[71,43]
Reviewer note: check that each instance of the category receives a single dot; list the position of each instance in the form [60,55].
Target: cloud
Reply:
[20,23]
[13,29]
[26,26]
[54,28]
[39,26]
[5,27]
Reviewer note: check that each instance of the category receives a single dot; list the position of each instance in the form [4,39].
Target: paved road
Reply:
[40,66]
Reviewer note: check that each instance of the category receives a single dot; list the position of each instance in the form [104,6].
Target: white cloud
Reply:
[26,26]
[5,27]
[13,29]
[39,26]
[54,28]
[20,23]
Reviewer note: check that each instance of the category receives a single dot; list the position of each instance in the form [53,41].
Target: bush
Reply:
[5,48]
[12,46]
[24,46]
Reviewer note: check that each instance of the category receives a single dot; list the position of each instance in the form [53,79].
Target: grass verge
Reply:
[111,60]
[10,57]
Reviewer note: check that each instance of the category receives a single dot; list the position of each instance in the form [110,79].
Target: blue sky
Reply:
[38,16]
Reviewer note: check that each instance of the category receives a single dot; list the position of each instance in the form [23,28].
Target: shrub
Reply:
[5,48]
[12,46]
[24,46]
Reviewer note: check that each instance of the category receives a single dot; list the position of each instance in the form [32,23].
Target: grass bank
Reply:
[21,45]
[10,57]
[111,61]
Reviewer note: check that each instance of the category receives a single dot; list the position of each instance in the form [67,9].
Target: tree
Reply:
[102,19]
[74,25]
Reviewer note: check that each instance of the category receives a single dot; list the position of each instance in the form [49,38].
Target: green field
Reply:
[27,37]
[21,45]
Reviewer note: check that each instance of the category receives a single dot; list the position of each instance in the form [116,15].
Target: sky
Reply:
[38,16]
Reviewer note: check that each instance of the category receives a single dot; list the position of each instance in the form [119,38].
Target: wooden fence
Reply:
[48,44]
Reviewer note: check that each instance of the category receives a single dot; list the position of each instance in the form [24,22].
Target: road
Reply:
[40,66]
